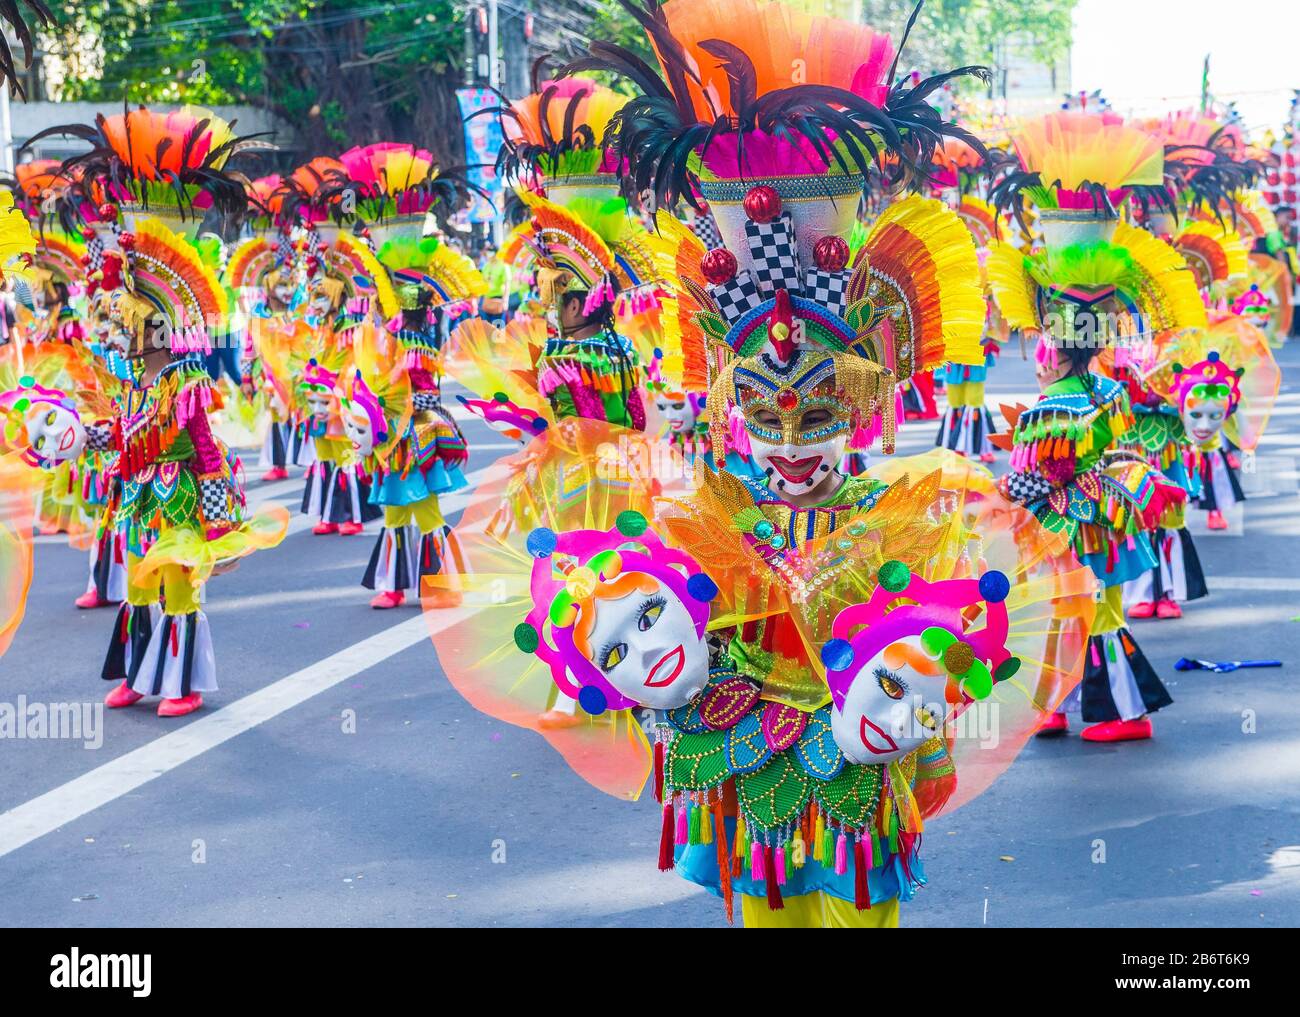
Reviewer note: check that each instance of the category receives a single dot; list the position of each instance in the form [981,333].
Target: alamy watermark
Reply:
[23,720]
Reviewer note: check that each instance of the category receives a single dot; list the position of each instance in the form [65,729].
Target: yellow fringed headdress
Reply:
[1135,286]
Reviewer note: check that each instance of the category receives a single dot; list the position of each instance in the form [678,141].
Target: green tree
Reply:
[342,72]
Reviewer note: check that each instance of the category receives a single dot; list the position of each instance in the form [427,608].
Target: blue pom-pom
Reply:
[541,542]
[539,425]
[659,354]
[1213,356]
[592,700]
[701,587]
[994,587]
[837,655]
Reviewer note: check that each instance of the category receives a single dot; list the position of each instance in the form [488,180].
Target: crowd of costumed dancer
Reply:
[718,296]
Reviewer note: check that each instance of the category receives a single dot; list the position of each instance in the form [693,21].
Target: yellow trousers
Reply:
[1110,611]
[966,393]
[425,514]
[182,595]
[817,911]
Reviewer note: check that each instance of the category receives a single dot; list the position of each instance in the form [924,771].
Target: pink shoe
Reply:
[1056,724]
[1215,520]
[180,707]
[385,601]
[90,600]
[1143,610]
[350,529]
[1168,609]
[122,695]
[1118,731]
[322,528]
[276,473]
[987,457]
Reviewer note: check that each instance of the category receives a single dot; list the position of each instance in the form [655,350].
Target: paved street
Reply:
[338,779]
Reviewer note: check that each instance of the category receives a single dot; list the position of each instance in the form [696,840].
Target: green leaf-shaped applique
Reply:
[697,761]
[851,797]
[776,794]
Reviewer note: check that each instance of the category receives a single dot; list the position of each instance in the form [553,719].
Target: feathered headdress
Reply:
[394,181]
[1077,169]
[724,109]
[168,163]
[554,135]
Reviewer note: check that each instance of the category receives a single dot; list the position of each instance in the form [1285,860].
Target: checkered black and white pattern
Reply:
[94,254]
[99,437]
[215,505]
[775,255]
[425,401]
[704,227]
[1027,487]
[736,296]
[830,289]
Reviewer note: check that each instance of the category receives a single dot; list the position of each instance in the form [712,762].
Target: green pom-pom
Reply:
[501,397]
[894,576]
[631,523]
[936,639]
[526,637]
[1007,669]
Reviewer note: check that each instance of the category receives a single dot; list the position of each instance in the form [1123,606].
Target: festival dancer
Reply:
[802,351]
[179,496]
[1094,281]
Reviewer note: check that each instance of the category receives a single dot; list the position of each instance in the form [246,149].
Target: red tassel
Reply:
[175,640]
[666,840]
[861,891]
[659,770]
[724,859]
[774,901]
[126,626]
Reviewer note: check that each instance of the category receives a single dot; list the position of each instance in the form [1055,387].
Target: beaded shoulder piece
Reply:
[157,415]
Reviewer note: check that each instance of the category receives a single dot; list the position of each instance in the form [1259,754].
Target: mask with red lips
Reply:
[43,423]
[797,421]
[910,658]
[619,617]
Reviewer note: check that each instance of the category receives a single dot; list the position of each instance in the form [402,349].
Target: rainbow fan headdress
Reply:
[165,275]
[591,245]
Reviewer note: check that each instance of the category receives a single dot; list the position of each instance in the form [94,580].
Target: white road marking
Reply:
[1259,583]
[44,814]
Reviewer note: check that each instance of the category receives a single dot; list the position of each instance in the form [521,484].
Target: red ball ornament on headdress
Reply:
[831,253]
[126,241]
[762,203]
[719,266]
[107,212]
[87,233]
